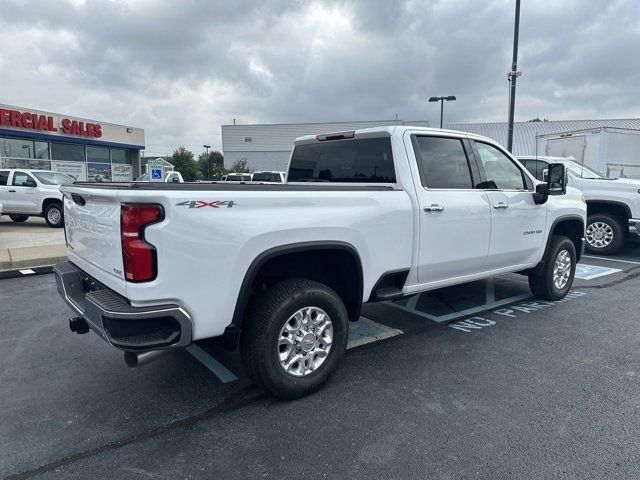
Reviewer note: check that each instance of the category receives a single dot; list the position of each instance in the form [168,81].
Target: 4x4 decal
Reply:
[203,203]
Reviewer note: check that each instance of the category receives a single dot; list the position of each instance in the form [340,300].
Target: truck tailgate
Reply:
[92,227]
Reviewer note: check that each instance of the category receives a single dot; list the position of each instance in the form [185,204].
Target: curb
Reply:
[12,259]
[25,272]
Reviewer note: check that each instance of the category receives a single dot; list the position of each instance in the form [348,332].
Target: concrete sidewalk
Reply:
[30,244]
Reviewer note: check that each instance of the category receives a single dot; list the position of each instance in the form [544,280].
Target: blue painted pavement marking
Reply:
[589,272]
[211,363]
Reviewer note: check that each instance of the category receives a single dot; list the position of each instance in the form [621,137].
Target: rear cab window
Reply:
[358,160]
[4,177]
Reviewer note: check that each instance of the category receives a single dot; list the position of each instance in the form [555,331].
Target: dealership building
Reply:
[83,148]
[268,146]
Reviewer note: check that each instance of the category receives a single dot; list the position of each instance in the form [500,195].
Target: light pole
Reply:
[208,162]
[449,98]
[513,75]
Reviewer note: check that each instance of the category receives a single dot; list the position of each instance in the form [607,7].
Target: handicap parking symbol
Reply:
[589,272]
[156,173]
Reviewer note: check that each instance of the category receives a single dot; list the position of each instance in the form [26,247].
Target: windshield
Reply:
[54,178]
[581,171]
[267,177]
[238,178]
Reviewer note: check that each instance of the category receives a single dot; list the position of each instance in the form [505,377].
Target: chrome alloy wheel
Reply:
[53,215]
[562,269]
[305,341]
[599,234]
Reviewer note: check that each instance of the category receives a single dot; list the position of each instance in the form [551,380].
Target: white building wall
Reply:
[268,146]
[259,160]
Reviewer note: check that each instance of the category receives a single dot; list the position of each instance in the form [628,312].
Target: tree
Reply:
[211,165]
[183,162]
[239,166]
[537,119]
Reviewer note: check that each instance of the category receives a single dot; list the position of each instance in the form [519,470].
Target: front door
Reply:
[454,217]
[518,224]
[24,194]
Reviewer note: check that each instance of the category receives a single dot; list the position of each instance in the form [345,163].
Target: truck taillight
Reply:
[138,256]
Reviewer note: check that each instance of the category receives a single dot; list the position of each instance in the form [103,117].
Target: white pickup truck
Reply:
[368,215]
[33,193]
[613,204]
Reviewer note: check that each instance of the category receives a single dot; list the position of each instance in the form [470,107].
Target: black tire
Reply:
[617,228]
[54,215]
[18,218]
[541,280]
[261,330]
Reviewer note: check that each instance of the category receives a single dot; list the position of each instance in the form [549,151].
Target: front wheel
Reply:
[605,234]
[18,218]
[294,337]
[53,215]
[554,279]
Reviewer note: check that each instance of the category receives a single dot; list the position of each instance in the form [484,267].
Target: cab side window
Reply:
[4,177]
[20,179]
[443,163]
[500,171]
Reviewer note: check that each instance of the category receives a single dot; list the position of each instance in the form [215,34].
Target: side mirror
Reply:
[545,174]
[556,179]
[30,183]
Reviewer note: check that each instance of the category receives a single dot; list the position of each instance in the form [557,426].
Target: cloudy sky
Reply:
[180,70]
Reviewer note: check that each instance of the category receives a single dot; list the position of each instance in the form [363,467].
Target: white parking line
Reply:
[611,259]
[211,363]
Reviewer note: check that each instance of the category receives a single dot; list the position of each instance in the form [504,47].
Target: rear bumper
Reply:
[112,318]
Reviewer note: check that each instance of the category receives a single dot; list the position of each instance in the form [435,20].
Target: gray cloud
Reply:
[181,69]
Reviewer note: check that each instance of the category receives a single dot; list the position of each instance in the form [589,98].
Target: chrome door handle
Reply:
[500,205]
[434,208]
[12,191]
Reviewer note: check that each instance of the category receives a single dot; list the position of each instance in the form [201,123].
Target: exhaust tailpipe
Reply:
[138,359]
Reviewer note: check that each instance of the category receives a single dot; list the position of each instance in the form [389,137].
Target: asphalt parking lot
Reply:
[478,381]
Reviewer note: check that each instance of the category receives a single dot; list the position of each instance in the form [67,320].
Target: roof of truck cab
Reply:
[391,129]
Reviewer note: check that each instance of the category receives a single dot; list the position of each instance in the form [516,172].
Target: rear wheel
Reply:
[53,215]
[605,234]
[18,218]
[554,279]
[294,337]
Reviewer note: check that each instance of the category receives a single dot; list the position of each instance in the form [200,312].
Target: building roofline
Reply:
[552,121]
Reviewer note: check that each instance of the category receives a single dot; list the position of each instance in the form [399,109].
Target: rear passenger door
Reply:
[454,216]
[517,222]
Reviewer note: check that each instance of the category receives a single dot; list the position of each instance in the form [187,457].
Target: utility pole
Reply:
[208,162]
[513,75]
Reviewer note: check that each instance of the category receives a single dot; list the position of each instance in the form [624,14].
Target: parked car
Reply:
[613,204]
[169,177]
[237,177]
[280,270]
[33,193]
[269,177]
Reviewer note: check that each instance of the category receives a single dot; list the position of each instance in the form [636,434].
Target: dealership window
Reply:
[16,148]
[119,155]
[42,150]
[98,154]
[131,156]
[248,139]
[67,151]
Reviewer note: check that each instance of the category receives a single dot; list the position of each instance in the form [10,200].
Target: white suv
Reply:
[25,193]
